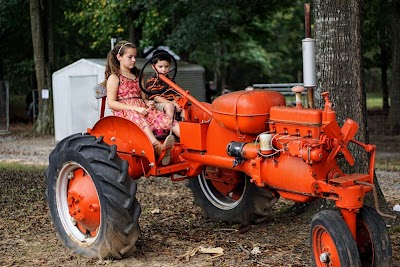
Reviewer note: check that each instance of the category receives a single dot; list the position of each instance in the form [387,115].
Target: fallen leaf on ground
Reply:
[192,251]
[155,211]
[217,250]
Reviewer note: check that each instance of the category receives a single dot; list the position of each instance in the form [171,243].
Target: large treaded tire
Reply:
[253,206]
[118,228]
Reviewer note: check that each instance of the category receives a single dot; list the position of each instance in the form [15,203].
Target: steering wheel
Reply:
[171,73]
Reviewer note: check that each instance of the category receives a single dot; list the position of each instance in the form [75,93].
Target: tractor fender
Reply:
[131,141]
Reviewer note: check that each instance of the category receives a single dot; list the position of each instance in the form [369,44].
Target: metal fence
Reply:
[284,89]
[4,106]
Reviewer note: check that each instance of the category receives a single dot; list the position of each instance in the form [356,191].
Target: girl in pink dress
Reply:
[125,98]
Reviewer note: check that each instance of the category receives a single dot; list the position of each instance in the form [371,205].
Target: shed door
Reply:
[84,106]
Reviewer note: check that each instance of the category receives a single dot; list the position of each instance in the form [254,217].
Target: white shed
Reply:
[75,106]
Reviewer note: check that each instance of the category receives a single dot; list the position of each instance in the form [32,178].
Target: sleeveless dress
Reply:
[129,93]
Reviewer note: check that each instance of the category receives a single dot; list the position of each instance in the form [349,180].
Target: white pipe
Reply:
[309,77]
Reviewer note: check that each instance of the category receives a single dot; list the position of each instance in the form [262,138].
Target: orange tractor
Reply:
[239,155]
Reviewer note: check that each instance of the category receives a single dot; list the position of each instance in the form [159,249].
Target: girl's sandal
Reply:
[168,144]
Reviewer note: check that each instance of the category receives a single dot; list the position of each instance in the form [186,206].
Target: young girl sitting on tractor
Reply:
[125,98]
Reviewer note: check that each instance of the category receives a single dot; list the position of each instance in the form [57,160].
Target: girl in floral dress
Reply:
[126,100]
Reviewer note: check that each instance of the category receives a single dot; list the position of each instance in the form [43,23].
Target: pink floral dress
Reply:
[129,93]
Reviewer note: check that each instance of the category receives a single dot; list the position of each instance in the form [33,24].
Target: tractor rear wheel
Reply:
[239,202]
[92,199]
[332,243]
[373,240]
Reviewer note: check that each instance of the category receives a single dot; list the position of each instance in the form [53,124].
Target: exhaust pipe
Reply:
[308,48]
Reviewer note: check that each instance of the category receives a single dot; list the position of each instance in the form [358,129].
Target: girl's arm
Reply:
[112,101]
[149,103]
[144,96]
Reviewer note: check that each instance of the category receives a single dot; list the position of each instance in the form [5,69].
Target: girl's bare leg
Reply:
[169,110]
[151,135]
[176,130]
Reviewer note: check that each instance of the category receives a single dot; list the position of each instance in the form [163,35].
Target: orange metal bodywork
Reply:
[131,141]
[297,168]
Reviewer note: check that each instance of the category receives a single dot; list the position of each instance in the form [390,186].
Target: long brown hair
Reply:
[112,64]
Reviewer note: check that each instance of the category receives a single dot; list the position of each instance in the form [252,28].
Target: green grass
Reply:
[388,164]
[395,229]
[374,100]
[20,167]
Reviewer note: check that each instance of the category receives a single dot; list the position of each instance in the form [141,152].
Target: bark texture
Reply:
[340,71]
[394,117]
[339,65]
[43,124]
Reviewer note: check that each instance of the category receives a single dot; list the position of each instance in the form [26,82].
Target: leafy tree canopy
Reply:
[242,42]
[211,33]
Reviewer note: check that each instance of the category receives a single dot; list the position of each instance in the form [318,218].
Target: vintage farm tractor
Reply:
[239,155]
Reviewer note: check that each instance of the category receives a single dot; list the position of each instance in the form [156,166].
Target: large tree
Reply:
[394,117]
[44,61]
[339,68]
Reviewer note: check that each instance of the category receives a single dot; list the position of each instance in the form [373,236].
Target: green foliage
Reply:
[377,32]
[226,35]
[16,59]
[99,20]
[242,42]
[153,24]
[220,35]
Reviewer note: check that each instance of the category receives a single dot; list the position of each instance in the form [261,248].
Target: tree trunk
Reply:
[384,47]
[384,78]
[42,124]
[50,64]
[339,68]
[394,117]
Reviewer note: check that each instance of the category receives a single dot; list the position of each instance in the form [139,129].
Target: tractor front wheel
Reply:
[332,243]
[373,240]
[232,198]
[92,199]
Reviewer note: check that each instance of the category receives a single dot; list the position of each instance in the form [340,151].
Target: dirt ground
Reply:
[174,231]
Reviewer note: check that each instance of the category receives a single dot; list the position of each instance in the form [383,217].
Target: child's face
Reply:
[162,66]
[128,59]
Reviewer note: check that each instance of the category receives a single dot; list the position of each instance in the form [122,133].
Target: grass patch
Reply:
[5,166]
[374,101]
[388,164]
[395,229]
